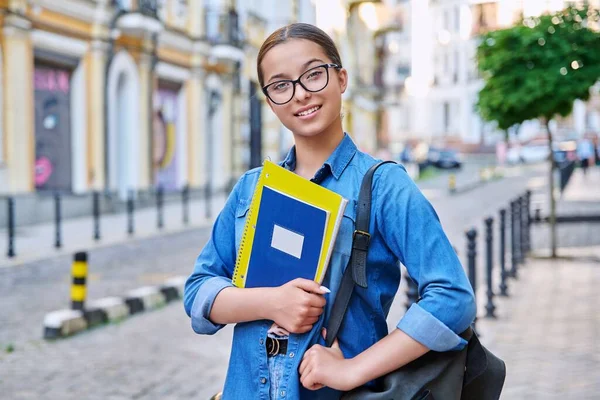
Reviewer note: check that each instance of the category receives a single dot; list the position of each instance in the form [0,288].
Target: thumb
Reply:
[309,286]
[335,344]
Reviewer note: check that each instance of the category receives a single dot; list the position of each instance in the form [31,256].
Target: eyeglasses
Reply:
[312,80]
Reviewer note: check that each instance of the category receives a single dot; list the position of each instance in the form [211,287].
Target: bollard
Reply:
[471,254]
[185,200]
[57,217]
[412,292]
[513,242]
[159,207]
[503,273]
[207,201]
[130,228]
[519,229]
[528,221]
[96,211]
[523,231]
[11,227]
[489,237]
[79,272]
[452,183]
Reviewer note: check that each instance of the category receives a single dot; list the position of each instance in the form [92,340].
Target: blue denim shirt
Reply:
[404,229]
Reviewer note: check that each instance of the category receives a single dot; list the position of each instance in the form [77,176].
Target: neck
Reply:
[313,151]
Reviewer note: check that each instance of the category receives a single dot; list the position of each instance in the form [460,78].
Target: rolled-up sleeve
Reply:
[411,228]
[213,269]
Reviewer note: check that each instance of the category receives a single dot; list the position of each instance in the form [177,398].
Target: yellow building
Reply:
[120,97]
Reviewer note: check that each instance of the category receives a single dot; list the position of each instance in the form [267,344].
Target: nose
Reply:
[301,93]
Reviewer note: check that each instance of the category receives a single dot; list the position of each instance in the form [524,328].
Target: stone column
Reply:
[196,128]
[145,168]
[196,19]
[227,134]
[96,64]
[19,104]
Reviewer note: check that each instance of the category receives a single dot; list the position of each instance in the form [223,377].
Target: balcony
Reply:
[224,34]
[138,16]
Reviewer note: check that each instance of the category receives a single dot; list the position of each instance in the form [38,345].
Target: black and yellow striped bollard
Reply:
[452,183]
[79,272]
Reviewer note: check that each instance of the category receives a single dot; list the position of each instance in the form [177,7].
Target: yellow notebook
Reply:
[290,230]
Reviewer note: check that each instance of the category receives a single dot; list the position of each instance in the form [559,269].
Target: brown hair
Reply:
[298,31]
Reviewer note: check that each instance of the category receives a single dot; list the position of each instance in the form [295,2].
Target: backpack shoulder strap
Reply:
[356,271]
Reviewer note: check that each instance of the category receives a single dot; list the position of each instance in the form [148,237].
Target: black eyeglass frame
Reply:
[294,82]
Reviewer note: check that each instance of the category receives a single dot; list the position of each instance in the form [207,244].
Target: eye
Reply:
[280,86]
[314,74]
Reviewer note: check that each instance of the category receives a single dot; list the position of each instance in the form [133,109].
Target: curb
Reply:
[66,322]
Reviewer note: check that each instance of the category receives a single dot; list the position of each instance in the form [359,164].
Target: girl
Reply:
[277,350]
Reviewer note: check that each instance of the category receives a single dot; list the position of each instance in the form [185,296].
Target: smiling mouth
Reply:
[308,112]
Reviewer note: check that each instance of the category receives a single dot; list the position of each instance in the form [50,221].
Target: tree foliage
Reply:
[539,67]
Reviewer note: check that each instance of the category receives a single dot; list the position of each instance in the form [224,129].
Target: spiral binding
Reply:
[247,226]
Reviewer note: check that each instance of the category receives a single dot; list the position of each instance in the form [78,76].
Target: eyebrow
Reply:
[305,65]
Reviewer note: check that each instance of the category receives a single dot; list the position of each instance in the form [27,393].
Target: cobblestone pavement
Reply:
[154,355]
[547,331]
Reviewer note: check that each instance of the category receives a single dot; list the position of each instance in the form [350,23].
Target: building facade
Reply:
[437,96]
[127,95]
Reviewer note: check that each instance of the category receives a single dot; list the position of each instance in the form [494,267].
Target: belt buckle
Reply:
[275,346]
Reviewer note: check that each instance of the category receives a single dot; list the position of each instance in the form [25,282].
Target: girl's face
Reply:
[307,113]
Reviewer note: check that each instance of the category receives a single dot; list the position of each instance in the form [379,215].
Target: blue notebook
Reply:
[288,239]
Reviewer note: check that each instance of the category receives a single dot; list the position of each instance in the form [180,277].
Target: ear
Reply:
[343,79]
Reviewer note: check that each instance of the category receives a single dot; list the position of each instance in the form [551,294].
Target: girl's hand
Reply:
[326,366]
[297,305]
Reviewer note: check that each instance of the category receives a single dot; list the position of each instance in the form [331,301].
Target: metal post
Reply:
[79,273]
[96,210]
[523,232]
[412,292]
[519,229]
[11,227]
[57,217]
[528,221]
[513,241]
[185,199]
[159,207]
[130,228]
[471,256]
[503,272]
[489,237]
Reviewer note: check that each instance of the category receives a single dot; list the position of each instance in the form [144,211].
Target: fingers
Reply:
[315,312]
[316,300]
[307,285]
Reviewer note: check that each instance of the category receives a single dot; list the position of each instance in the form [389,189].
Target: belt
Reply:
[276,346]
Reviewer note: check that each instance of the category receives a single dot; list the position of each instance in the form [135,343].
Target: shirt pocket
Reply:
[241,212]
[343,243]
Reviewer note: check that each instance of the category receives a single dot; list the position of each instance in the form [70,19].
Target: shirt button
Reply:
[282,393]
[261,341]
[292,355]
[263,380]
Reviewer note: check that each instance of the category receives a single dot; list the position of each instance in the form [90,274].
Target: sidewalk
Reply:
[36,242]
[547,331]
[581,197]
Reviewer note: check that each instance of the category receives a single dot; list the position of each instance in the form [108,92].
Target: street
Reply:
[156,355]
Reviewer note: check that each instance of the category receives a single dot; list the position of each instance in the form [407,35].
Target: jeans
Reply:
[276,366]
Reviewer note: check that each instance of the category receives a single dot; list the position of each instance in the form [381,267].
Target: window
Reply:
[446,117]
[485,18]
[456,19]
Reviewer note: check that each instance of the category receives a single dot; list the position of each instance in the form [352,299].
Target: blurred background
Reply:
[125,123]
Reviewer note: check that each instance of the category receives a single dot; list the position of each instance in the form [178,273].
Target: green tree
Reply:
[537,69]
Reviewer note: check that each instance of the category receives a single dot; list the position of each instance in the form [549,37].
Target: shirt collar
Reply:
[337,161]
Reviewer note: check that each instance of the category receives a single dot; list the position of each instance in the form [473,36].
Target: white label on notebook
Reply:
[287,241]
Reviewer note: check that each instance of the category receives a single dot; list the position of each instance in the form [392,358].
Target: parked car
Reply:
[444,158]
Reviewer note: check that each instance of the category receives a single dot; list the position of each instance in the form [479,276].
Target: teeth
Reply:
[307,112]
